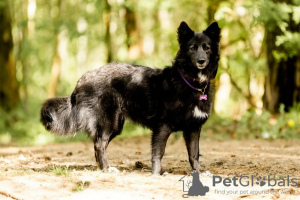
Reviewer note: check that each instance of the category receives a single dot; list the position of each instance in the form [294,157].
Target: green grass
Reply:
[60,171]
[80,186]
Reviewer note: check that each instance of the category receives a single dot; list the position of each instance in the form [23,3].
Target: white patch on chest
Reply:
[199,114]
[202,77]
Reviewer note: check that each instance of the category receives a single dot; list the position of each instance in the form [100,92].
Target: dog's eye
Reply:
[205,47]
[194,48]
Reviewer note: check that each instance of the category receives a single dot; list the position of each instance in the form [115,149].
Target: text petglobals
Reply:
[251,180]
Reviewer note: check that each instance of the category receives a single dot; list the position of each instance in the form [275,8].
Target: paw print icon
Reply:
[261,181]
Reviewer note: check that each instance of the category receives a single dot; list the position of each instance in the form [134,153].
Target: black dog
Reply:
[177,98]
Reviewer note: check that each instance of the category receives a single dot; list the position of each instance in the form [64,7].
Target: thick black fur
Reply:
[155,98]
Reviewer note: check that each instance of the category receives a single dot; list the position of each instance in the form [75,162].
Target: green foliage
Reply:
[274,15]
[253,125]
[22,128]
[283,18]
[286,125]
[290,42]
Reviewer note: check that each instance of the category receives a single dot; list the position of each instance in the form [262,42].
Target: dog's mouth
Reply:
[201,66]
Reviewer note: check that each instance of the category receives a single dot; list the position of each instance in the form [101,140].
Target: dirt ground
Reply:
[69,171]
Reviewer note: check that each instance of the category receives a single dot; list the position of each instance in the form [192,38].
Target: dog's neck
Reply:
[200,78]
[190,73]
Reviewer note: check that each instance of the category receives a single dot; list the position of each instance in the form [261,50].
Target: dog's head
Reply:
[199,50]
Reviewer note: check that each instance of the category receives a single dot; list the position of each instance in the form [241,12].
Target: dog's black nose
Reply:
[201,61]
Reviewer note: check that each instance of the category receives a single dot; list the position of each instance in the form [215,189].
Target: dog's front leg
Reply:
[100,145]
[159,141]
[192,145]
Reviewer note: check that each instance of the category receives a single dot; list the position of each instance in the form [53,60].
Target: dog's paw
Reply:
[113,170]
[165,174]
[206,173]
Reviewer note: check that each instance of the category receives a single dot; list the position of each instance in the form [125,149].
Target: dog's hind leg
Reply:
[159,141]
[192,145]
[102,140]
[100,145]
[110,123]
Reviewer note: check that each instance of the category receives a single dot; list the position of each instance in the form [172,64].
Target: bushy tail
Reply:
[59,116]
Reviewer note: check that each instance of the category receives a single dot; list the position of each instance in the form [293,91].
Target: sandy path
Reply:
[56,171]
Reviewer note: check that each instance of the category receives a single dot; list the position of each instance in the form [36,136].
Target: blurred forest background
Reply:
[46,46]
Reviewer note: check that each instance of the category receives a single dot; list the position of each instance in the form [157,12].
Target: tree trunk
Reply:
[280,81]
[9,94]
[282,84]
[56,63]
[23,55]
[133,40]
[212,7]
[297,78]
[107,11]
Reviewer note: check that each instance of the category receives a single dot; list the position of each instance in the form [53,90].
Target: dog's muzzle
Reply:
[201,64]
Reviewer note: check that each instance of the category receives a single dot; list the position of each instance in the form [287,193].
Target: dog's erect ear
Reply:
[184,33]
[213,32]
